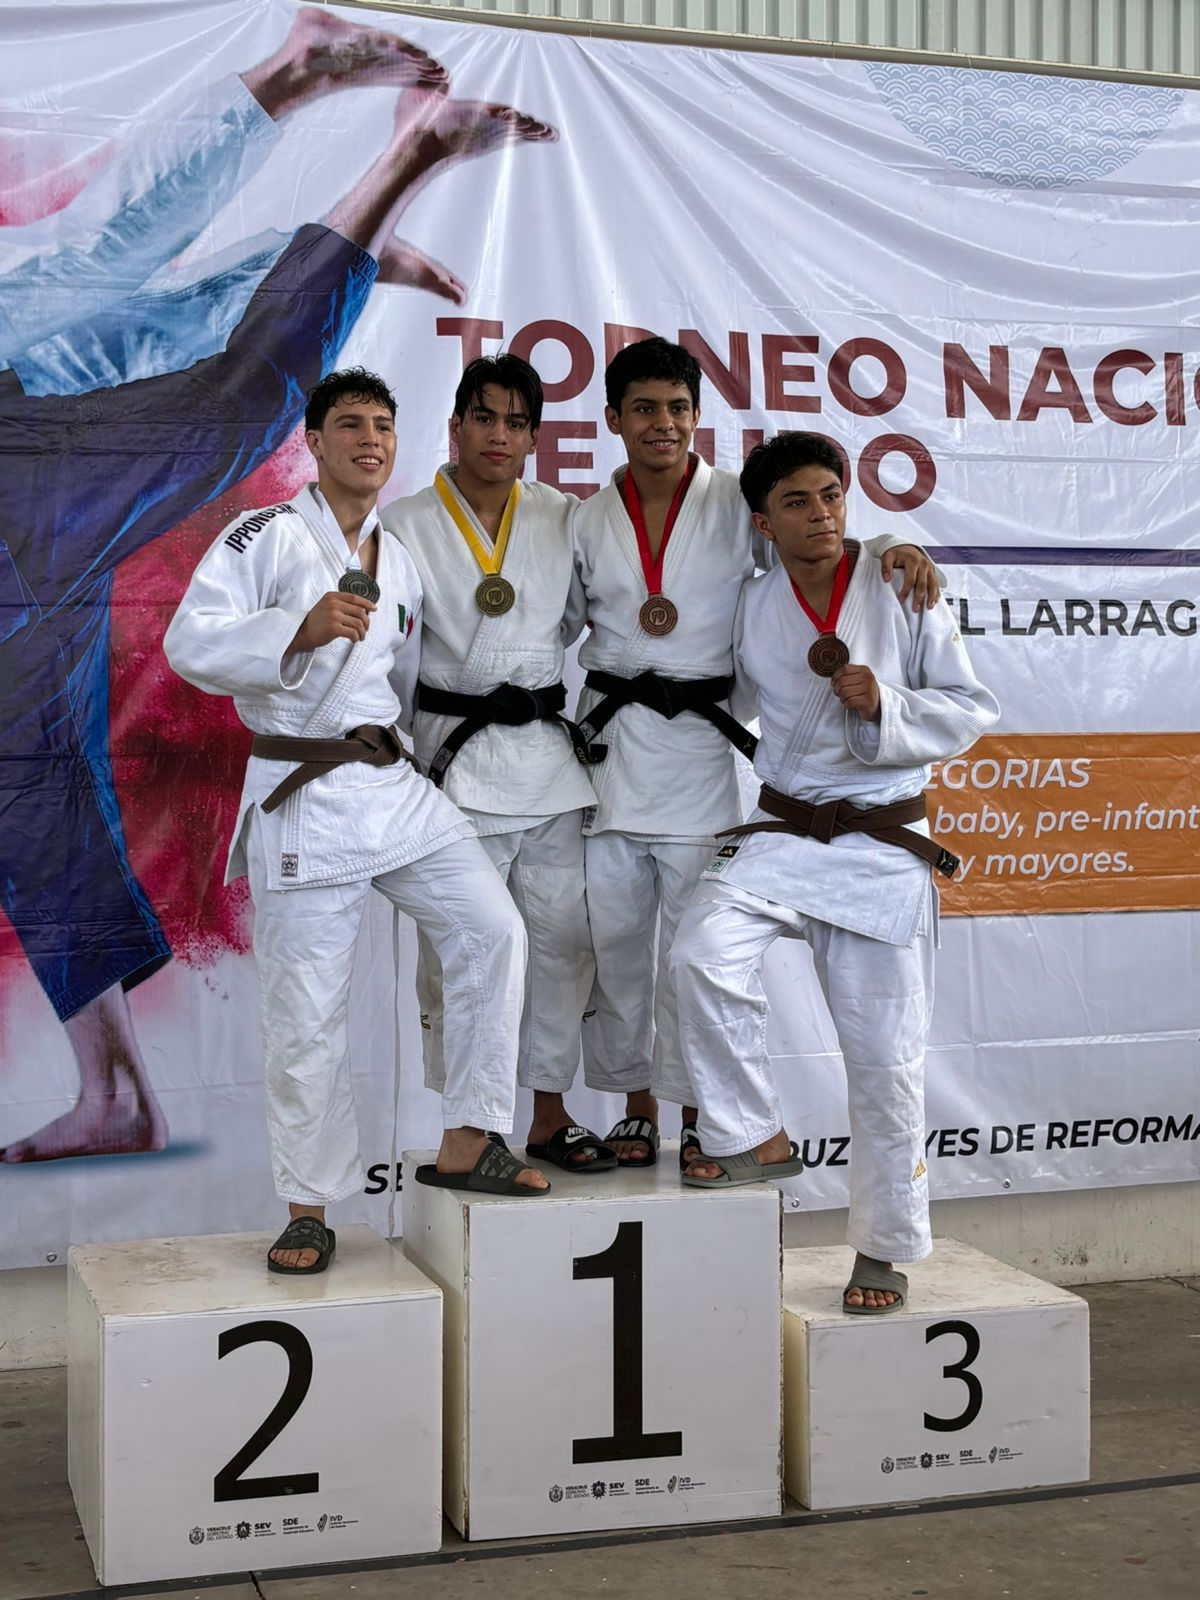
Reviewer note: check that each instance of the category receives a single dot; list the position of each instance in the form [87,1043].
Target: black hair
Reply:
[779,457]
[649,361]
[507,372]
[350,382]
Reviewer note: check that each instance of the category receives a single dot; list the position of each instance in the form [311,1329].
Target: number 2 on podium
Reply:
[229,1484]
[622,1262]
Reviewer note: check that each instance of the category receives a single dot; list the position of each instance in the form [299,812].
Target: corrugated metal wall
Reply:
[1142,36]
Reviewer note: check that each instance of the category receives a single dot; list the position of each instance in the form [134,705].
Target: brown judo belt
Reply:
[378,747]
[831,818]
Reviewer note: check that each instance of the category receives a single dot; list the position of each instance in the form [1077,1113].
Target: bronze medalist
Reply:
[657,616]
[495,596]
[357,582]
[827,654]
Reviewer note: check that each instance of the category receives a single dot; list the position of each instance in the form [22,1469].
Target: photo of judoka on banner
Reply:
[205,207]
[209,379]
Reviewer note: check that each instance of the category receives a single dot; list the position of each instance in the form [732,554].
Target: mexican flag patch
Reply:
[405,620]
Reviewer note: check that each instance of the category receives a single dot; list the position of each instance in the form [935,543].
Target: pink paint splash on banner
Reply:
[41,176]
[178,755]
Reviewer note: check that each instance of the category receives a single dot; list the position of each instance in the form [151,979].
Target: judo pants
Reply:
[304,941]
[631,1036]
[543,867]
[880,997]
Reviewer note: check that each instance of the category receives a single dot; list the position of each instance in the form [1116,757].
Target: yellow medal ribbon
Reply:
[491,564]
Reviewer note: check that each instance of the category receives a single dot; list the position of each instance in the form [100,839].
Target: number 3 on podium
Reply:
[959,1369]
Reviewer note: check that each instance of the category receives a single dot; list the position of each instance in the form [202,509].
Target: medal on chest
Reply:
[828,654]
[657,615]
[494,595]
[357,582]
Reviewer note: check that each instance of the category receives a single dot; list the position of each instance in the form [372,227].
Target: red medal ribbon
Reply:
[652,570]
[828,623]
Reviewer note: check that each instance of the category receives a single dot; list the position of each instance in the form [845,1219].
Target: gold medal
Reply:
[495,596]
[657,616]
[827,654]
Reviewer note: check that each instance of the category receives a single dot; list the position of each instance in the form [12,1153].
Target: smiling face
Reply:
[493,438]
[355,447]
[805,518]
[655,424]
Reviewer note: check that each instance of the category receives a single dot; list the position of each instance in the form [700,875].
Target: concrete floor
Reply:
[1133,1533]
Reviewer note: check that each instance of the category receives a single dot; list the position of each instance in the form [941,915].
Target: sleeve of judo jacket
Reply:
[938,713]
[229,636]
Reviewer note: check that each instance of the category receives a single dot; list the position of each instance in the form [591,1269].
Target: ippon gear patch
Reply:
[238,538]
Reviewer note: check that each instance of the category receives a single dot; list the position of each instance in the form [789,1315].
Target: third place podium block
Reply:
[612,1351]
[979,1383]
[221,1418]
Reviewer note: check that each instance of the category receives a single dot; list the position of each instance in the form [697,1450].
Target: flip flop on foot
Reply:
[304,1233]
[496,1172]
[635,1130]
[744,1167]
[689,1146]
[883,1279]
[565,1144]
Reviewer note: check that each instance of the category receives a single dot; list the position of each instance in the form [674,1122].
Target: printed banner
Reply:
[982,286]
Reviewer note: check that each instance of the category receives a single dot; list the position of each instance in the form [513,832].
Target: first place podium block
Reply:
[980,1382]
[612,1351]
[222,1419]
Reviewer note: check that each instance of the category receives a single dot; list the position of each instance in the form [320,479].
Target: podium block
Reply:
[221,1418]
[612,1355]
[981,1382]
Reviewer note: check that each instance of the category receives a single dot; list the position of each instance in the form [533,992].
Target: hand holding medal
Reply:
[341,614]
[858,690]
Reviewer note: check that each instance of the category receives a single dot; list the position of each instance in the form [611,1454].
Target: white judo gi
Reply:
[665,786]
[312,861]
[867,909]
[521,786]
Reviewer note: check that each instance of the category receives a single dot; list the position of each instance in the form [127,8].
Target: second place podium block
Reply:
[612,1355]
[221,1418]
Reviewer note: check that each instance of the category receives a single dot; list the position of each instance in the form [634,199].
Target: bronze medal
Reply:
[657,616]
[827,654]
[495,596]
[357,582]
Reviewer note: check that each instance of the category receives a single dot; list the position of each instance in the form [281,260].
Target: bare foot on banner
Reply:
[323,54]
[405,265]
[126,1123]
[116,1113]
[465,128]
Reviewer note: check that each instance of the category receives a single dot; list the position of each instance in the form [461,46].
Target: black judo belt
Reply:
[378,747]
[833,817]
[508,704]
[667,696]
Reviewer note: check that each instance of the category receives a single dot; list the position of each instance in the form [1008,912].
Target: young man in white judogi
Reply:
[494,558]
[856,697]
[310,618]
[662,552]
